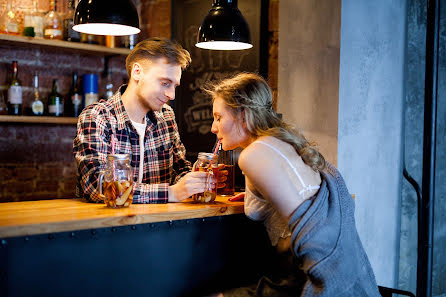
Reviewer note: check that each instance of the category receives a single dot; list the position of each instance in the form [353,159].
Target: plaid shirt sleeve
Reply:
[90,148]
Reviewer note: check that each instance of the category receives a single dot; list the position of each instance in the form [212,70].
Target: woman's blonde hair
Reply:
[250,93]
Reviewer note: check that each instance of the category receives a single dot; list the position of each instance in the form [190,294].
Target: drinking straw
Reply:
[112,144]
[217,147]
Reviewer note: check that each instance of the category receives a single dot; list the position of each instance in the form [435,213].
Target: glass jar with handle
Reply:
[207,162]
[116,181]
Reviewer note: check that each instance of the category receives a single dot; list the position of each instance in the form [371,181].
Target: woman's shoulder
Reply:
[257,151]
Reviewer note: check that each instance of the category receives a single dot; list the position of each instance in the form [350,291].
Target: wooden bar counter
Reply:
[69,247]
[59,215]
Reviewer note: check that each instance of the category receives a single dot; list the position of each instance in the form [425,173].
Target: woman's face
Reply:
[229,128]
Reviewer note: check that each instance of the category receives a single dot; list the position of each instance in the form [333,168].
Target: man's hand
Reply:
[191,183]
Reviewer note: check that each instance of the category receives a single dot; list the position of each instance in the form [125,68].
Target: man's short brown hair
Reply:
[155,48]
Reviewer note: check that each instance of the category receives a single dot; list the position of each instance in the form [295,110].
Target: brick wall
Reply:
[36,160]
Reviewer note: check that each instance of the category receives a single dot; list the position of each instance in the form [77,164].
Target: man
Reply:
[138,121]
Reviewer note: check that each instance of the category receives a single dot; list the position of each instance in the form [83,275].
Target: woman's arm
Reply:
[267,174]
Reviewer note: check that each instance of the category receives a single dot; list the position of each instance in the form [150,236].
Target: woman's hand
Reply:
[238,197]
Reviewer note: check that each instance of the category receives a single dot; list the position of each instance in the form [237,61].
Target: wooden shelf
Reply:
[38,120]
[84,48]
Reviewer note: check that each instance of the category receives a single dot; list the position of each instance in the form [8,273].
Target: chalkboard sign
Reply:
[193,107]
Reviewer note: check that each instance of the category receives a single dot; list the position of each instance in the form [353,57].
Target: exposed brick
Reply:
[69,171]
[69,188]
[19,187]
[26,173]
[6,173]
[50,172]
[50,186]
[7,133]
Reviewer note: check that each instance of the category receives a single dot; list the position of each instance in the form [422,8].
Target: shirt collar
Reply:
[122,116]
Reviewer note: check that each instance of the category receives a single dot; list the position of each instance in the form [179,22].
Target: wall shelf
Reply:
[84,48]
[38,120]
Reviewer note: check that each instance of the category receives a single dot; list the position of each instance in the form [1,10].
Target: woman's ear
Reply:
[242,118]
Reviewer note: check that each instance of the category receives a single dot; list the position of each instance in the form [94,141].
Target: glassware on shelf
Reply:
[15,92]
[37,106]
[33,22]
[3,105]
[9,23]
[55,102]
[53,23]
[68,33]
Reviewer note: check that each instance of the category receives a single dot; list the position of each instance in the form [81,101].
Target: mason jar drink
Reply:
[207,162]
[116,181]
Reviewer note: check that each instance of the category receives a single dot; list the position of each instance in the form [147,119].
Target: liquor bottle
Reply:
[74,100]
[37,106]
[68,33]
[53,23]
[9,23]
[90,88]
[3,105]
[55,102]
[15,92]
[33,23]
[108,85]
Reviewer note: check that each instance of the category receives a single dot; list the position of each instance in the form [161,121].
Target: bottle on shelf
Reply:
[90,88]
[15,92]
[55,102]
[3,105]
[9,23]
[89,38]
[53,23]
[68,33]
[33,22]
[109,85]
[74,104]
[37,106]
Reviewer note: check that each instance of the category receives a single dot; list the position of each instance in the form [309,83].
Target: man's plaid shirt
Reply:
[164,156]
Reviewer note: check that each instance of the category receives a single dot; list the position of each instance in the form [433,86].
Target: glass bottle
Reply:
[74,100]
[207,162]
[37,106]
[55,102]
[15,92]
[68,33]
[53,23]
[33,23]
[116,181]
[9,23]
[109,85]
[3,105]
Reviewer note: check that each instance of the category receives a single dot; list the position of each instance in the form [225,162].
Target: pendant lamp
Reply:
[224,28]
[106,17]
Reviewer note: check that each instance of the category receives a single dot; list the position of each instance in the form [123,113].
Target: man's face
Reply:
[157,82]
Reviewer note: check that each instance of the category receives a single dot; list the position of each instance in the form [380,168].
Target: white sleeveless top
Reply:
[259,209]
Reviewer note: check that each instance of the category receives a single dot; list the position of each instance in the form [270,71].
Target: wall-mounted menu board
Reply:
[193,108]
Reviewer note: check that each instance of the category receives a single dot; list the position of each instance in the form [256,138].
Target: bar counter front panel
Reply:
[68,247]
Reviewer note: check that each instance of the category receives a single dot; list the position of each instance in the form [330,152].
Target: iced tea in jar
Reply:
[116,181]
[207,162]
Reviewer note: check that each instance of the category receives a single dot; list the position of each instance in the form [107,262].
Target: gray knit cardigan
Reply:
[326,243]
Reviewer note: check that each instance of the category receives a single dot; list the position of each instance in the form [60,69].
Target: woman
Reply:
[301,198]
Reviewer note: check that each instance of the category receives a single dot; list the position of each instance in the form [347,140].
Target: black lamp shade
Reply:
[224,28]
[106,17]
